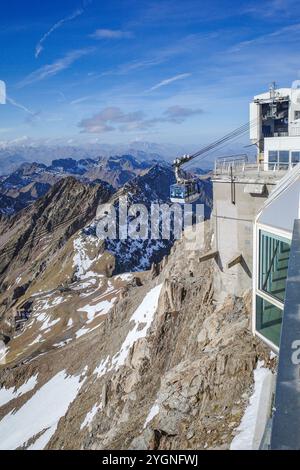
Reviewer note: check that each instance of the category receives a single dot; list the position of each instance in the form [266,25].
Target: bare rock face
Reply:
[31,239]
[194,384]
[198,397]
[153,364]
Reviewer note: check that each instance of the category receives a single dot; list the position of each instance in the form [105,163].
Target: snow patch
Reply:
[62,343]
[47,321]
[45,304]
[90,416]
[102,368]
[85,330]
[142,318]
[152,413]
[100,308]
[251,428]
[41,412]
[42,441]
[124,277]
[81,332]
[81,261]
[8,394]
[272,355]
[3,352]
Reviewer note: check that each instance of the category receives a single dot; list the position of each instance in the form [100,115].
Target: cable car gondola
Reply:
[187,188]
[187,192]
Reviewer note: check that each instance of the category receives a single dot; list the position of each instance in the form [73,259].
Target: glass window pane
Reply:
[273,156]
[268,320]
[295,157]
[274,255]
[284,156]
[177,191]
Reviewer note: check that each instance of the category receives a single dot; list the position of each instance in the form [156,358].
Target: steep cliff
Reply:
[145,360]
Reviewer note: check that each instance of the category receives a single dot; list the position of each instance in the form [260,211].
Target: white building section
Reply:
[275,126]
[241,188]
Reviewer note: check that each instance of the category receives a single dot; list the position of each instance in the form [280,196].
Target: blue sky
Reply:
[162,71]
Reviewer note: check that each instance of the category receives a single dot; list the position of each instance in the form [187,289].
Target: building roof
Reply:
[282,206]
[281,92]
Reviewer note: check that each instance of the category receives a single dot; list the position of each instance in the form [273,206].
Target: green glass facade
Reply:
[274,252]
[268,320]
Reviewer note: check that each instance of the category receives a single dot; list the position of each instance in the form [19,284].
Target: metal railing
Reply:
[224,165]
[243,168]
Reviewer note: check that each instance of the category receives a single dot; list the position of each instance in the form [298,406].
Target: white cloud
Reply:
[167,81]
[111,34]
[114,119]
[54,68]
[108,117]
[179,114]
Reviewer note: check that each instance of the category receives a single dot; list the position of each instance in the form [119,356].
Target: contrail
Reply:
[20,106]
[170,80]
[78,12]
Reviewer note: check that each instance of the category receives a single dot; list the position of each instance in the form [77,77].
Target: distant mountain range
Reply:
[32,180]
[14,153]
[33,238]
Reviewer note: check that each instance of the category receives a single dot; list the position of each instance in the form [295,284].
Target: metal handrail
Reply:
[227,163]
[233,158]
[242,167]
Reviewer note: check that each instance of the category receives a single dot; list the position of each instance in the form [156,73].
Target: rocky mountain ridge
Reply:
[30,238]
[144,361]
[32,180]
[95,357]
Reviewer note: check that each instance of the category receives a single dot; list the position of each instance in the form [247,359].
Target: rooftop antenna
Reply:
[272,90]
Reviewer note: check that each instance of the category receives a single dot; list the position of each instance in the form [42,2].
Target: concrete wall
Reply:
[233,228]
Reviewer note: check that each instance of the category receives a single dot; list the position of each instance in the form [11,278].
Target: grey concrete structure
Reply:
[239,193]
